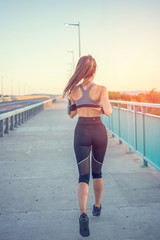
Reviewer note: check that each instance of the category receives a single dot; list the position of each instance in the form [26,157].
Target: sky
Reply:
[122,35]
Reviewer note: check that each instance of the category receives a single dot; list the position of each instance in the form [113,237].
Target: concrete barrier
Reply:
[20,98]
[13,119]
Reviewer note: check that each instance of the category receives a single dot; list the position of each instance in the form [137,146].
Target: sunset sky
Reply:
[122,35]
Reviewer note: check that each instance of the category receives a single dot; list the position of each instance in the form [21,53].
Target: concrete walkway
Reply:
[38,186]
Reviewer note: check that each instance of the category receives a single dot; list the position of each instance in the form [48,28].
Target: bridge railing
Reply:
[131,123]
[11,120]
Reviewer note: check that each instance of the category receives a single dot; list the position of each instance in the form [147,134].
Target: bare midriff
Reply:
[89,112]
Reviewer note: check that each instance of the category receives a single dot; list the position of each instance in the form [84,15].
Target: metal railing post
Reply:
[16,121]
[112,123]
[22,117]
[25,116]
[128,125]
[7,126]
[1,128]
[109,122]
[135,126]
[119,125]
[12,123]
[19,119]
[144,110]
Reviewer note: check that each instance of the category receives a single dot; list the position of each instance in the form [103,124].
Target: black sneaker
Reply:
[84,225]
[96,211]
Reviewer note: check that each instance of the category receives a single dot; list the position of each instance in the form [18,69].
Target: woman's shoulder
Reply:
[75,90]
[101,87]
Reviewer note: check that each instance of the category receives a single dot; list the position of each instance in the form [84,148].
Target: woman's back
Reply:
[90,96]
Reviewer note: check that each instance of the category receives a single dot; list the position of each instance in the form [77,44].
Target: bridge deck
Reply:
[38,186]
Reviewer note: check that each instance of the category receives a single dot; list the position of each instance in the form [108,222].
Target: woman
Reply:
[85,99]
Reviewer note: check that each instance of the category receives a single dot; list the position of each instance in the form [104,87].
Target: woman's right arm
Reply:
[72,111]
[105,102]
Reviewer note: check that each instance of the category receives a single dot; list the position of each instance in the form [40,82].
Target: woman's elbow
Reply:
[108,112]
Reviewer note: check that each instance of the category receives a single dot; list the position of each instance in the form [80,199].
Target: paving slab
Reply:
[38,186]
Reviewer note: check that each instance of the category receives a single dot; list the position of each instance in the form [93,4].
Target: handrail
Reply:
[13,119]
[153,105]
[139,130]
[20,110]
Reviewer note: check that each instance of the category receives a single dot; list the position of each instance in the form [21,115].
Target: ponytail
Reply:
[86,67]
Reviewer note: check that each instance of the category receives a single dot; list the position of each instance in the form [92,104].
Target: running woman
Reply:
[88,100]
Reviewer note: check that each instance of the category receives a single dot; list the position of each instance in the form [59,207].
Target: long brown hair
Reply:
[86,67]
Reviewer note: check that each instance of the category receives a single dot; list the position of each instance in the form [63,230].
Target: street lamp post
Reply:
[11,87]
[79,40]
[2,85]
[72,52]
[18,88]
[70,71]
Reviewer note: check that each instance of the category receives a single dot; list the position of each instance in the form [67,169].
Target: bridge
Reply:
[38,190]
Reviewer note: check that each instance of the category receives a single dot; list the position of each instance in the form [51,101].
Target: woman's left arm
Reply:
[72,108]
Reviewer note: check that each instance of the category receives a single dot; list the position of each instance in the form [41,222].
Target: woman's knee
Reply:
[84,178]
[96,175]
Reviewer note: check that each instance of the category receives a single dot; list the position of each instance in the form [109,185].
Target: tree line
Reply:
[152,96]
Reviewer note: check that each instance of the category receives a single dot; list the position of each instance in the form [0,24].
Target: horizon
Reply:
[132,92]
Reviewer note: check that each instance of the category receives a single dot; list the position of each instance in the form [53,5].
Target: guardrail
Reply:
[136,128]
[13,119]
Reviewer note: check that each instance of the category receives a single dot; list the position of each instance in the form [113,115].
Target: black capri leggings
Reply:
[90,136]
